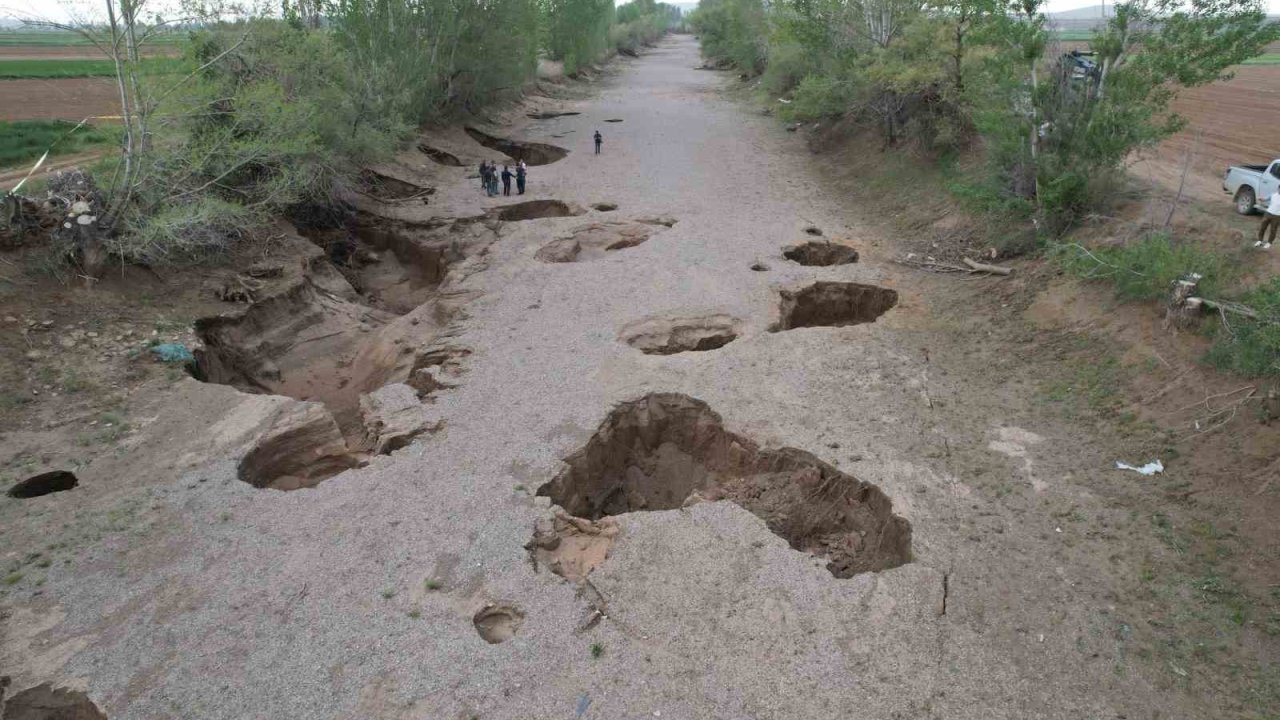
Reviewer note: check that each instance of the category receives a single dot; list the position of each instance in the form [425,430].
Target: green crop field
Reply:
[62,39]
[62,68]
[24,141]
[1271,58]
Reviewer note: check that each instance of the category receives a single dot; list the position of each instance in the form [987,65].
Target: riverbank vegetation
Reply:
[277,113]
[1046,130]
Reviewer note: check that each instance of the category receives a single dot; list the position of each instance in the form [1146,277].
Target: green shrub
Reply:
[185,234]
[1147,268]
[1248,346]
[818,96]
[789,63]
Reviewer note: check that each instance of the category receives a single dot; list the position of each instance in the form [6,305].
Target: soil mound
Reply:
[531,152]
[833,304]
[667,336]
[43,484]
[666,450]
[45,702]
[820,254]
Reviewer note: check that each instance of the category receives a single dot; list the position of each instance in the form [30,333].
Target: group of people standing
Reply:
[490,175]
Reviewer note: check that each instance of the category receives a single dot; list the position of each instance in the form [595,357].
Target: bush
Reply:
[788,65]
[186,234]
[1251,347]
[818,96]
[1146,269]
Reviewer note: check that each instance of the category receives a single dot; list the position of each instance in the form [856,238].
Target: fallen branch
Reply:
[932,265]
[1220,306]
[975,266]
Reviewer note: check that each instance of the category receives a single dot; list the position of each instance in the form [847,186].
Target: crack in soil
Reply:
[532,153]
[441,157]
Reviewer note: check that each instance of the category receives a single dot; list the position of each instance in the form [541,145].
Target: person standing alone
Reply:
[599,141]
[506,180]
[1270,219]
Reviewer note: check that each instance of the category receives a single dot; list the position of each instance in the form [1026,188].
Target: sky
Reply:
[62,10]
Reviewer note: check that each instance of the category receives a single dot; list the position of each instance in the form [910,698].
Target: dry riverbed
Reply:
[669,436]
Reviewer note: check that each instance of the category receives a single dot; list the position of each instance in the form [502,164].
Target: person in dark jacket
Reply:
[521,170]
[493,179]
[599,140]
[484,176]
[506,180]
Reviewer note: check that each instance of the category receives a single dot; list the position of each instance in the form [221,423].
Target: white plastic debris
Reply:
[1151,468]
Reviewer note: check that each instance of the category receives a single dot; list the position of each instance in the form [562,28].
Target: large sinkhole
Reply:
[832,304]
[665,450]
[532,153]
[344,330]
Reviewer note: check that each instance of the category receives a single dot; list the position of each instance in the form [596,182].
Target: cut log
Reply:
[983,267]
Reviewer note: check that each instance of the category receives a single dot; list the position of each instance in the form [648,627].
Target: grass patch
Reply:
[50,69]
[1251,347]
[597,650]
[1094,383]
[25,140]
[1146,269]
[1264,59]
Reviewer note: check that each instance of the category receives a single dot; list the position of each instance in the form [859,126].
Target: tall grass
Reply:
[25,140]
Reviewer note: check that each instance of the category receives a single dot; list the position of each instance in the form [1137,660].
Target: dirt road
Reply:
[1017,568]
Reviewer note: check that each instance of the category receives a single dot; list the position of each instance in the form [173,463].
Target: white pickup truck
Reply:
[1251,185]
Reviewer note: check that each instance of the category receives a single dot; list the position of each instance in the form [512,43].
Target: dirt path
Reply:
[859,417]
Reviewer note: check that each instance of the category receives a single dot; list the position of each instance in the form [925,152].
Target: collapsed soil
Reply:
[832,304]
[661,451]
[1044,583]
[820,254]
[532,153]
[668,336]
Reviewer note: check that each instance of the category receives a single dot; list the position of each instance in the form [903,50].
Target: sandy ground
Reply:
[178,591]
